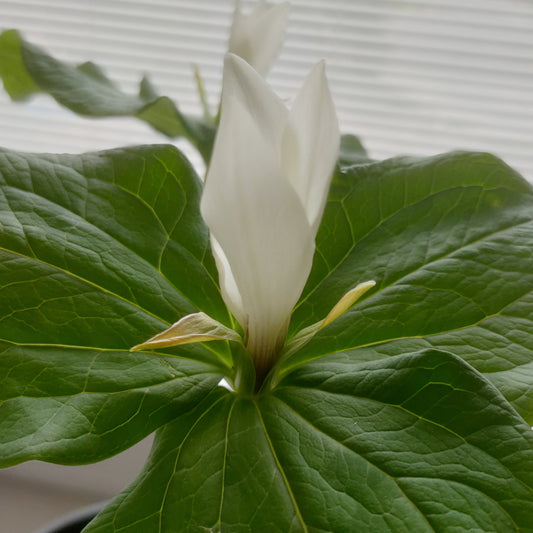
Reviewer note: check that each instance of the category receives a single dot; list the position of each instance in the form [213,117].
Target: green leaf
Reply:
[17,81]
[103,249]
[352,151]
[449,241]
[75,405]
[413,443]
[86,90]
[99,252]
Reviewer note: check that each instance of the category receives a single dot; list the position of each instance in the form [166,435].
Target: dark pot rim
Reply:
[81,516]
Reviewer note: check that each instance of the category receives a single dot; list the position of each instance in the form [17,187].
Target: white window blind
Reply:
[417,77]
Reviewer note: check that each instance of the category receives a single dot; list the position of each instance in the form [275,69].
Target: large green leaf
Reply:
[98,253]
[449,241]
[414,443]
[102,249]
[75,405]
[86,90]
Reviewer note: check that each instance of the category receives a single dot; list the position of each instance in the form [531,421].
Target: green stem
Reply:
[244,376]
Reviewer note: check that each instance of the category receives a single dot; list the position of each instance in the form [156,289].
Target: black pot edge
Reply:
[85,513]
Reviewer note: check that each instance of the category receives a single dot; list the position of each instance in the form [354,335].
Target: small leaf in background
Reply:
[352,151]
[86,90]
[18,83]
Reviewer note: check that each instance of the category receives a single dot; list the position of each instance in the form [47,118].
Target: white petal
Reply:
[243,84]
[311,143]
[255,216]
[258,37]
[228,285]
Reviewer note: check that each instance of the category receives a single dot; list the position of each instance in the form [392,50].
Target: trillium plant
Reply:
[321,342]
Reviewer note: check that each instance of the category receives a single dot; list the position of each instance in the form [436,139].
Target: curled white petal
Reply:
[228,285]
[311,143]
[258,36]
[242,84]
[263,221]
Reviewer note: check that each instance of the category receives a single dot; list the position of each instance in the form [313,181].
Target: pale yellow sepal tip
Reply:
[347,301]
[306,334]
[197,327]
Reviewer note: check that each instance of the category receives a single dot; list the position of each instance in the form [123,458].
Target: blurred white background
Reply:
[417,77]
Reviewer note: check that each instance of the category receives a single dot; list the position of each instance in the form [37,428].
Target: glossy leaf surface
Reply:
[448,241]
[404,444]
[74,405]
[97,253]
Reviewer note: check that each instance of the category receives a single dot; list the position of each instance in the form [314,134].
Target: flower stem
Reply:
[264,345]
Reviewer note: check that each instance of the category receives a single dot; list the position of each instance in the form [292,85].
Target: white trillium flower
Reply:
[265,191]
[263,200]
[258,36]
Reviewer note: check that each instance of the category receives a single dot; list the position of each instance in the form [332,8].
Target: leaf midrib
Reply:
[99,230]
[178,455]
[84,392]
[394,479]
[300,416]
[416,415]
[280,469]
[88,282]
[56,163]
